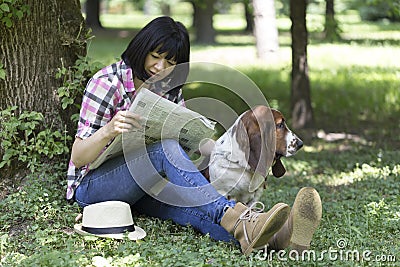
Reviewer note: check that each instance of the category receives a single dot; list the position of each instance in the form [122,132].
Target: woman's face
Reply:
[156,63]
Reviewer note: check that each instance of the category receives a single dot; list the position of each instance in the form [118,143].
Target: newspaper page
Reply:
[162,119]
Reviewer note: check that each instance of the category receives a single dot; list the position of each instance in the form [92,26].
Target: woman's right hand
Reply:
[86,150]
[122,122]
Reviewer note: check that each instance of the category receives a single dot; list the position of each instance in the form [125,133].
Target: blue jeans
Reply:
[187,198]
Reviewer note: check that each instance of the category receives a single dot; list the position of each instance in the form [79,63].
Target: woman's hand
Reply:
[124,121]
[86,150]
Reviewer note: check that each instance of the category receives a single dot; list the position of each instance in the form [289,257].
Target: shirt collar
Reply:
[127,77]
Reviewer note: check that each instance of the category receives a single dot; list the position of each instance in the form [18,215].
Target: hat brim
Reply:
[139,233]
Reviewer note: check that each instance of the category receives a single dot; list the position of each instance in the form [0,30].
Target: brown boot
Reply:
[303,220]
[251,226]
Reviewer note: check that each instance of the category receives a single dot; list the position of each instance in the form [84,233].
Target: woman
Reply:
[161,44]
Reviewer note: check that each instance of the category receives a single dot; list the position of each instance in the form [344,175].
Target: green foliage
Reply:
[35,217]
[75,79]
[380,9]
[10,10]
[23,139]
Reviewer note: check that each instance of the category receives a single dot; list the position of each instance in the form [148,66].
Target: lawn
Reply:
[351,158]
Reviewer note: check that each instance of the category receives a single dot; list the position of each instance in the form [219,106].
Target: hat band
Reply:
[109,230]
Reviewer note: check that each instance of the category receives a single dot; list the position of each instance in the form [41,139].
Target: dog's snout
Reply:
[299,143]
[294,143]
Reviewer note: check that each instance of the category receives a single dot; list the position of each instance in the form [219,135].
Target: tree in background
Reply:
[248,14]
[302,114]
[265,28]
[92,9]
[203,12]
[331,30]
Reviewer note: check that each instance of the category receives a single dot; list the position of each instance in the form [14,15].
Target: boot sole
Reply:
[307,213]
[279,214]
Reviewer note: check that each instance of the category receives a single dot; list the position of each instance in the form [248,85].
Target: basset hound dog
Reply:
[241,157]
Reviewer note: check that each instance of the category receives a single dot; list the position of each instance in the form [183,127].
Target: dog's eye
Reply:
[280,125]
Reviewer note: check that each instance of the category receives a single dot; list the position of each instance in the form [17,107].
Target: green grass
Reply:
[358,187]
[355,91]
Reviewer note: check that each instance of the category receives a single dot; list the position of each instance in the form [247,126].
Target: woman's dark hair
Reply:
[161,35]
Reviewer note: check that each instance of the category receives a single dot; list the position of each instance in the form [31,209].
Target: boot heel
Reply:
[307,214]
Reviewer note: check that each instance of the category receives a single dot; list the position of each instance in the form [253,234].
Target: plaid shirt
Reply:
[108,91]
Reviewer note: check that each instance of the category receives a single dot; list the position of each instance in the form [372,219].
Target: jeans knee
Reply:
[171,146]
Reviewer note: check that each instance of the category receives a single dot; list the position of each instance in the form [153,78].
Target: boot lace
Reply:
[251,213]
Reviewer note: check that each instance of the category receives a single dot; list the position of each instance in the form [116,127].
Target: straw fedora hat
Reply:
[111,219]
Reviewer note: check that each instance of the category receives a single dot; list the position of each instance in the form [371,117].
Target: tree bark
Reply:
[203,12]
[302,114]
[265,28]
[33,49]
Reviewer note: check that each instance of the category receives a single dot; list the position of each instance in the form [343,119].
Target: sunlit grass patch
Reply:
[334,56]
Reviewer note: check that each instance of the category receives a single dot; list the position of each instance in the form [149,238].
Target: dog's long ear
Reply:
[257,161]
[249,139]
[239,132]
[261,129]
[278,170]
[249,143]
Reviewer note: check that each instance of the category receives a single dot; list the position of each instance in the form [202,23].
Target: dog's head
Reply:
[287,143]
[254,132]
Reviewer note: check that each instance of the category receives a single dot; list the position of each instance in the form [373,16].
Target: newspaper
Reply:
[163,119]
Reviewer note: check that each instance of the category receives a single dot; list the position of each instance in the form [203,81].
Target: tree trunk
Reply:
[92,8]
[165,9]
[203,12]
[33,49]
[331,30]
[302,114]
[265,28]
[248,13]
